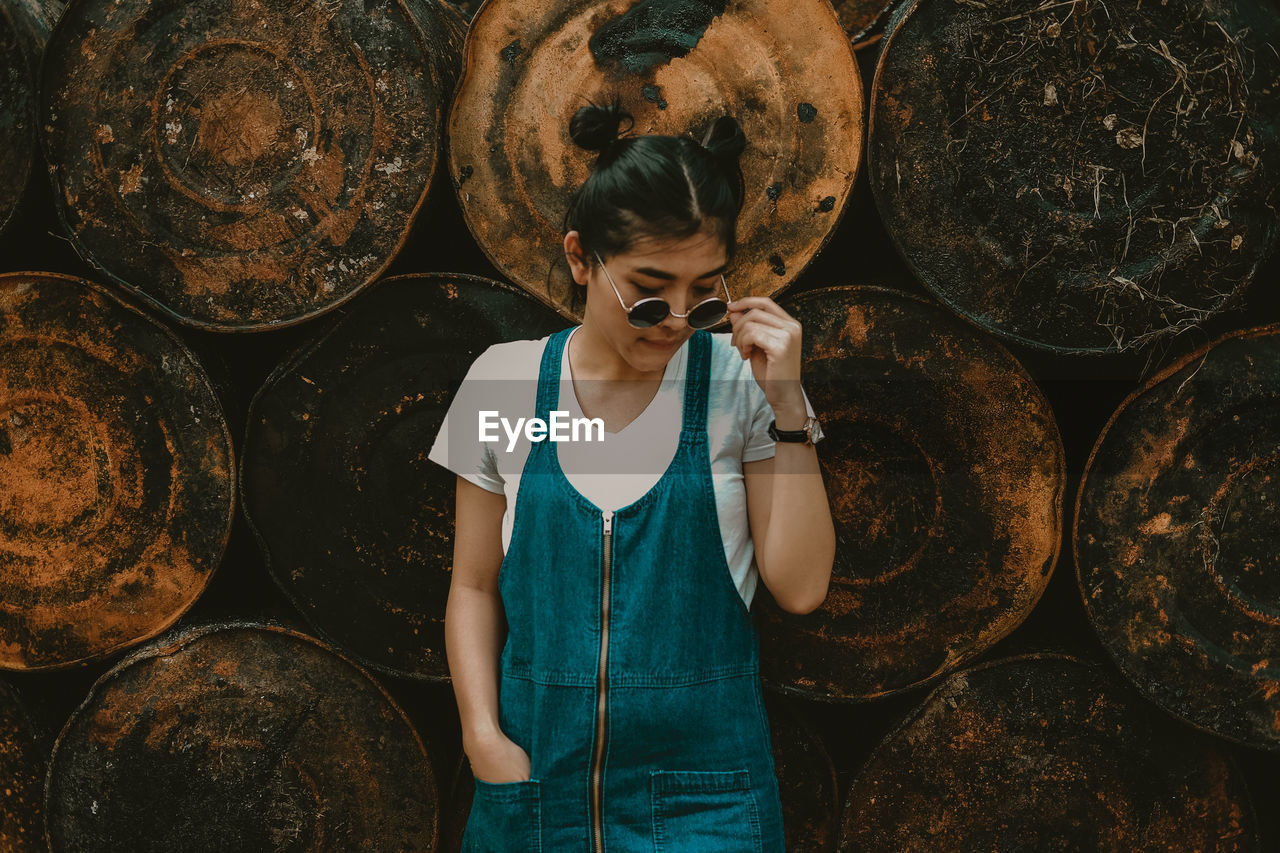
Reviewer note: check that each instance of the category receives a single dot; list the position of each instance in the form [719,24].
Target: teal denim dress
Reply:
[630,673]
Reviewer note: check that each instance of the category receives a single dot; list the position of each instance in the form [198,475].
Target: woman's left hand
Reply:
[770,337]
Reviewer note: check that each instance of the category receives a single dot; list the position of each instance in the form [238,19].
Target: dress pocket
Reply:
[699,811]
[505,816]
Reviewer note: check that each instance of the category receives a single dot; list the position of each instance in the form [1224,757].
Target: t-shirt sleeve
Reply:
[459,449]
[759,445]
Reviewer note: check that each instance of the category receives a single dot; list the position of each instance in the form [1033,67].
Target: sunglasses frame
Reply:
[684,316]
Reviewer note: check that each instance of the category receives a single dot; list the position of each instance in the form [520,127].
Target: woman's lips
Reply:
[661,344]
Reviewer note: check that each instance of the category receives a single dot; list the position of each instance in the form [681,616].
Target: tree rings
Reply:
[1043,752]
[355,523]
[246,737]
[785,70]
[242,164]
[945,472]
[117,486]
[1083,179]
[1176,537]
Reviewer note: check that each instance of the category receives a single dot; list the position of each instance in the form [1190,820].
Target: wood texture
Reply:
[1176,532]
[785,70]
[117,484]
[945,473]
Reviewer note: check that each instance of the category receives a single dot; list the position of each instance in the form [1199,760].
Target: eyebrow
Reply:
[666,276]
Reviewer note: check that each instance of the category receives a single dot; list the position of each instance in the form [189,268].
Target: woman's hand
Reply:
[770,337]
[495,758]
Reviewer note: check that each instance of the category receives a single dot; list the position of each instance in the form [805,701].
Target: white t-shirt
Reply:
[620,469]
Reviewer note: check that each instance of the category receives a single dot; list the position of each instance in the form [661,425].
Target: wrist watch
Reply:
[810,433]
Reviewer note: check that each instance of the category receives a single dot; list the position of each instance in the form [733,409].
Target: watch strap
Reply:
[788,435]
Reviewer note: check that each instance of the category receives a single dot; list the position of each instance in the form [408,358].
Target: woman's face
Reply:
[683,272]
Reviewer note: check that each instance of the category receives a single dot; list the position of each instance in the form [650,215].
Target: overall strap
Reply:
[549,374]
[697,381]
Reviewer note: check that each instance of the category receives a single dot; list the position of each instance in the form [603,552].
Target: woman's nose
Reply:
[671,321]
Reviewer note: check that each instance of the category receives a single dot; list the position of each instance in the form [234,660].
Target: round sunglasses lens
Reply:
[707,313]
[648,313]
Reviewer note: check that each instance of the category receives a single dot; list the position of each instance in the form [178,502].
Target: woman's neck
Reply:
[592,357]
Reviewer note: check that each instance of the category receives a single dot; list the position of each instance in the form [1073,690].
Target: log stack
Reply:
[224,556]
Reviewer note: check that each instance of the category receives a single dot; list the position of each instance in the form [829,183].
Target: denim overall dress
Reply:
[630,673]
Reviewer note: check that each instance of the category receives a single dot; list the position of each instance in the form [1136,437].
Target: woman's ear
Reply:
[574,255]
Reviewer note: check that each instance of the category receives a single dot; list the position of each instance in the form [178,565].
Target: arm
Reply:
[787,505]
[791,526]
[474,631]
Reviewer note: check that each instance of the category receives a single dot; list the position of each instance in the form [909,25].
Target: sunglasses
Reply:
[652,310]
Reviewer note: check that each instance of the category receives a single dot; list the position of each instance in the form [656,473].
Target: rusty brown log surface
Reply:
[245,165]
[21,779]
[945,473]
[355,523]
[1044,752]
[785,70]
[1083,177]
[116,473]
[1175,537]
[239,736]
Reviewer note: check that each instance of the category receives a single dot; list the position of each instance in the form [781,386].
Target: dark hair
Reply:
[652,186]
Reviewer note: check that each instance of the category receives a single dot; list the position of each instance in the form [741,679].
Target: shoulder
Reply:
[726,361]
[509,360]
[732,384]
[731,373]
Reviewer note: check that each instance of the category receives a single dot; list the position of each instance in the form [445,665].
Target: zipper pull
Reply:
[607,516]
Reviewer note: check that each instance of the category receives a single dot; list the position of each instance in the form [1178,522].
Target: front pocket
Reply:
[700,811]
[505,816]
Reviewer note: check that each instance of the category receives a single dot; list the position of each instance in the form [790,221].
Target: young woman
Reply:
[598,626]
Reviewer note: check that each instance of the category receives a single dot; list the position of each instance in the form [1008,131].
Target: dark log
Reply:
[239,736]
[462,789]
[24,32]
[245,165]
[21,779]
[445,27]
[17,118]
[355,523]
[860,18]
[1089,178]
[465,8]
[806,777]
[1044,752]
[945,473]
[1176,532]
[785,70]
[117,480]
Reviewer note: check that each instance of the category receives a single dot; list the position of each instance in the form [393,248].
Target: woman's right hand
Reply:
[495,758]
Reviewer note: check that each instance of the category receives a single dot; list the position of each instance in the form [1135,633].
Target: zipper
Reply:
[602,685]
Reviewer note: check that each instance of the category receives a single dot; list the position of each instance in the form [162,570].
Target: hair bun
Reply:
[725,139]
[595,128]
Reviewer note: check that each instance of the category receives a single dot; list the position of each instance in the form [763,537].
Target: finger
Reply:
[735,341]
[768,338]
[788,331]
[763,303]
[785,323]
